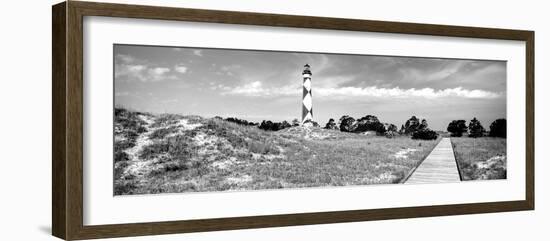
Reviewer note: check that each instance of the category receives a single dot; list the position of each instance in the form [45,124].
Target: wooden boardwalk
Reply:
[439,167]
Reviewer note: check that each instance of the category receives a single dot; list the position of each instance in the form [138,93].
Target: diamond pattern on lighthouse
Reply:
[307,101]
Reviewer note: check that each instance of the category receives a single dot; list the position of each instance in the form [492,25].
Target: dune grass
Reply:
[217,155]
[480,158]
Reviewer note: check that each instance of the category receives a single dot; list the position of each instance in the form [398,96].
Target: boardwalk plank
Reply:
[438,167]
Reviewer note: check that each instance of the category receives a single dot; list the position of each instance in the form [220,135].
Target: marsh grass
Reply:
[474,157]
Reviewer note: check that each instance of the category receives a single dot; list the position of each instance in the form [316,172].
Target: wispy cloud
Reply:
[128,68]
[430,93]
[180,69]
[197,52]
[256,89]
[124,58]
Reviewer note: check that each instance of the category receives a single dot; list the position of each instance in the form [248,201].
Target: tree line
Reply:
[457,128]
[414,127]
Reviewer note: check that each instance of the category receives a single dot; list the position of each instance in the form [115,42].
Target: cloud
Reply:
[180,69]
[430,93]
[135,68]
[141,72]
[256,89]
[197,52]
[159,71]
[124,58]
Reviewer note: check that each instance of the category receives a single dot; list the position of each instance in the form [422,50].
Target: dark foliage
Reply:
[457,128]
[475,128]
[331,125]
[424,134]
[498,128]
[369,123]
[274,126]
[346,123]
[295,122]
[241,122]
[392,128]
[411,125]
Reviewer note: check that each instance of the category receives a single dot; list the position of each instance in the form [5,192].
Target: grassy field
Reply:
[481,158]
[173,153]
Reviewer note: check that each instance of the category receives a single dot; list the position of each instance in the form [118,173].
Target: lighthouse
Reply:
[307,111]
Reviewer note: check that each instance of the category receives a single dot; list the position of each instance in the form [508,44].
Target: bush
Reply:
[457,127]
[273,126]
[331,125]
[424,134]
[369,123]
[346,123]
[411,125]
[241,122]
[498,128]
[476,129]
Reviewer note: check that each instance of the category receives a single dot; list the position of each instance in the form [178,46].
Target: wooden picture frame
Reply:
[67,119]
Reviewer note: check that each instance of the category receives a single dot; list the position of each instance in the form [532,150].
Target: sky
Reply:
[267,85]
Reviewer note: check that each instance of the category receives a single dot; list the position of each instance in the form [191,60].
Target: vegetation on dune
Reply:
[480,158]
[174,153]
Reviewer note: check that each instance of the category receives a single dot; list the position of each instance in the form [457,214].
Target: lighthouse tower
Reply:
[307,111]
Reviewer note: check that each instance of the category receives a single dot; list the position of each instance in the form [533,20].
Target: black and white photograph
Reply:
[190,119]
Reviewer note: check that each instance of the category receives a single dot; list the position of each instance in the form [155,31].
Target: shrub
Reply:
[274,126]
[424,134]
[369,123]
[457,127]
[498,128]
[241,122]
[411,125]
[476,129]
[346,123]
[331,125]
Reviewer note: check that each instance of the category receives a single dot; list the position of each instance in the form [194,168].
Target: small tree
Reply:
[331,125]
[498,128]
[402,130]
[424,134]
[346,123]
[392,128]
[411,125]
[476,129]
[457,127]
[295,122]
[423,124]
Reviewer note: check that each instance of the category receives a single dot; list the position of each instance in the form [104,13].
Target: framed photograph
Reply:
[172,120]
